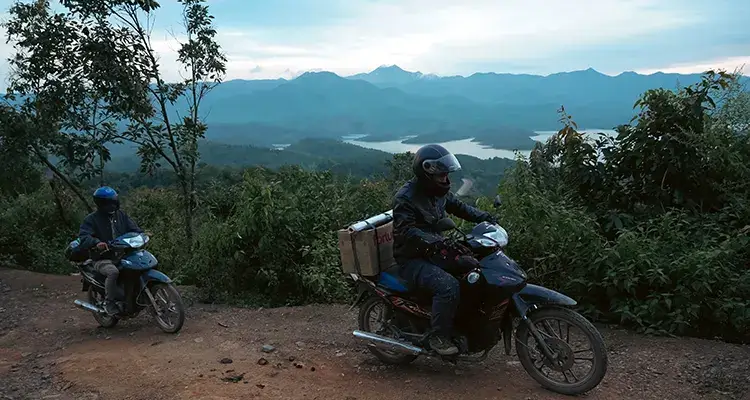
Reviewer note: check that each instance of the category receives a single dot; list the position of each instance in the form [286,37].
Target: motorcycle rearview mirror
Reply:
[498,201]
[445,224]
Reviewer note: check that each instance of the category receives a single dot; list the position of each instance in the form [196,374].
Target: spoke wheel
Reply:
[580,358]
[374,318]
[97,299]
[169,311]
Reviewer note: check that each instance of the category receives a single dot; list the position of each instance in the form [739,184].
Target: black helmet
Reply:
[106,200]
[432,164]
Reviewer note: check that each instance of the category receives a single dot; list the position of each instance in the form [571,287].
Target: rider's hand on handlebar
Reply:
[102,246]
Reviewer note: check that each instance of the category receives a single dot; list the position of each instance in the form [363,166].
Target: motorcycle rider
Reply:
[419,204]
[100,227]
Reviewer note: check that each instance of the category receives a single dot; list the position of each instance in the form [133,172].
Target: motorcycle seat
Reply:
[392,280]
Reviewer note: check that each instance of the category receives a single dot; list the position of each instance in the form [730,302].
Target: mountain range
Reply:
[499,110]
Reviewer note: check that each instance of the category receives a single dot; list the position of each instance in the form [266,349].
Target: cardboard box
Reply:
[367,252]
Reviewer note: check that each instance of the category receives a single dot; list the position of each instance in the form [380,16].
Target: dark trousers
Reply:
[110,271]
[444,287]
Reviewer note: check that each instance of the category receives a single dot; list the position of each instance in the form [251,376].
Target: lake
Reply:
[465,146]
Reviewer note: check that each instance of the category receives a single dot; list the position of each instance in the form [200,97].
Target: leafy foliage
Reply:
[647,228]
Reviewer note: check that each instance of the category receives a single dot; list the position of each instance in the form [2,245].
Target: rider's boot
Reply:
[442,345]
[111,308]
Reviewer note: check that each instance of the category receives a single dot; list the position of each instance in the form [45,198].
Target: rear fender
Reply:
[363,292]
[532,297]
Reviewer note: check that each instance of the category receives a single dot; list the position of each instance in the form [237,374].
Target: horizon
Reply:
[286,38]
[746,73]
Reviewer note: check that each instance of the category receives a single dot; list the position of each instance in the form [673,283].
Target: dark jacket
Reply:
[102,227]
[415,212]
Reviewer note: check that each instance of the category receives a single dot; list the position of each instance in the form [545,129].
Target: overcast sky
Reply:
[281,38]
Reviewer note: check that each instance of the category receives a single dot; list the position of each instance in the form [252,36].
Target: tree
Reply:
[163,135]
[399,169]
[66,111]
[90,76]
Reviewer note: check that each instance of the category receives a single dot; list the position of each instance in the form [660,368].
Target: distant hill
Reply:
[499,110]
[320,154]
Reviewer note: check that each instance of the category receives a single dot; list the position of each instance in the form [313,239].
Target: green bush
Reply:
[649,228]
[36,227]
[277,240]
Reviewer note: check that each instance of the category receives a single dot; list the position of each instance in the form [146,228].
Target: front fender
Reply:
[155,275]
[533,296]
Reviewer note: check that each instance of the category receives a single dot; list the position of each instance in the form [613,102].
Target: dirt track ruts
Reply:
[49,349]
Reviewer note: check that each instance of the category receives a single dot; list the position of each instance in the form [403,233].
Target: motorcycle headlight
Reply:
[136,241]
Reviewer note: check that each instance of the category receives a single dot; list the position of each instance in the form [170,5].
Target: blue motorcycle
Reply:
[139,284]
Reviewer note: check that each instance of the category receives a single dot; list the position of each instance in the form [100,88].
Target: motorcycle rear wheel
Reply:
[568,356]
[388,357]
[104,320]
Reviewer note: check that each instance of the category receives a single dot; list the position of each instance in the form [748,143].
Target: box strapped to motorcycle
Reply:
[366,246]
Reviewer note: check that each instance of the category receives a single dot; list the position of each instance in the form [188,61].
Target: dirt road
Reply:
[49,349]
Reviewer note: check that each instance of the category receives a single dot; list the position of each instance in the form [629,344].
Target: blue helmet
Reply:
[106,199]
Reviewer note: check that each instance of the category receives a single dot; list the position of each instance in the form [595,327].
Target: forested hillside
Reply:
[649,228]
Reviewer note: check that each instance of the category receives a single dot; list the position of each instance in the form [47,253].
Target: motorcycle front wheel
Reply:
[563,375]
[170,315]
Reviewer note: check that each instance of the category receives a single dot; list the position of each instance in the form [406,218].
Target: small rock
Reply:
[198,340]
[260,385]
[300,344]
[200,375]
[226,360]
[267,348]
[312,369]
[233,378]
[156,343]
[374,369]
[298,364]
[273,373]
[262,361]
[340,353]
[291,358]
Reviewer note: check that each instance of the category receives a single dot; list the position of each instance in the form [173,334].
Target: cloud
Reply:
[728,64]
[285,37]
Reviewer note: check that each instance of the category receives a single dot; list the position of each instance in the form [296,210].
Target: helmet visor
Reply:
[443,165]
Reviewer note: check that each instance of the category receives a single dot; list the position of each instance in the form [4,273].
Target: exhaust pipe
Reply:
[88,306]
[387,343]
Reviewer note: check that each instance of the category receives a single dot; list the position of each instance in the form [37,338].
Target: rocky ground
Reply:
[49,349]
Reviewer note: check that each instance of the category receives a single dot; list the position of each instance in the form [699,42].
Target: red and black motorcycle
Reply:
[495,297]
